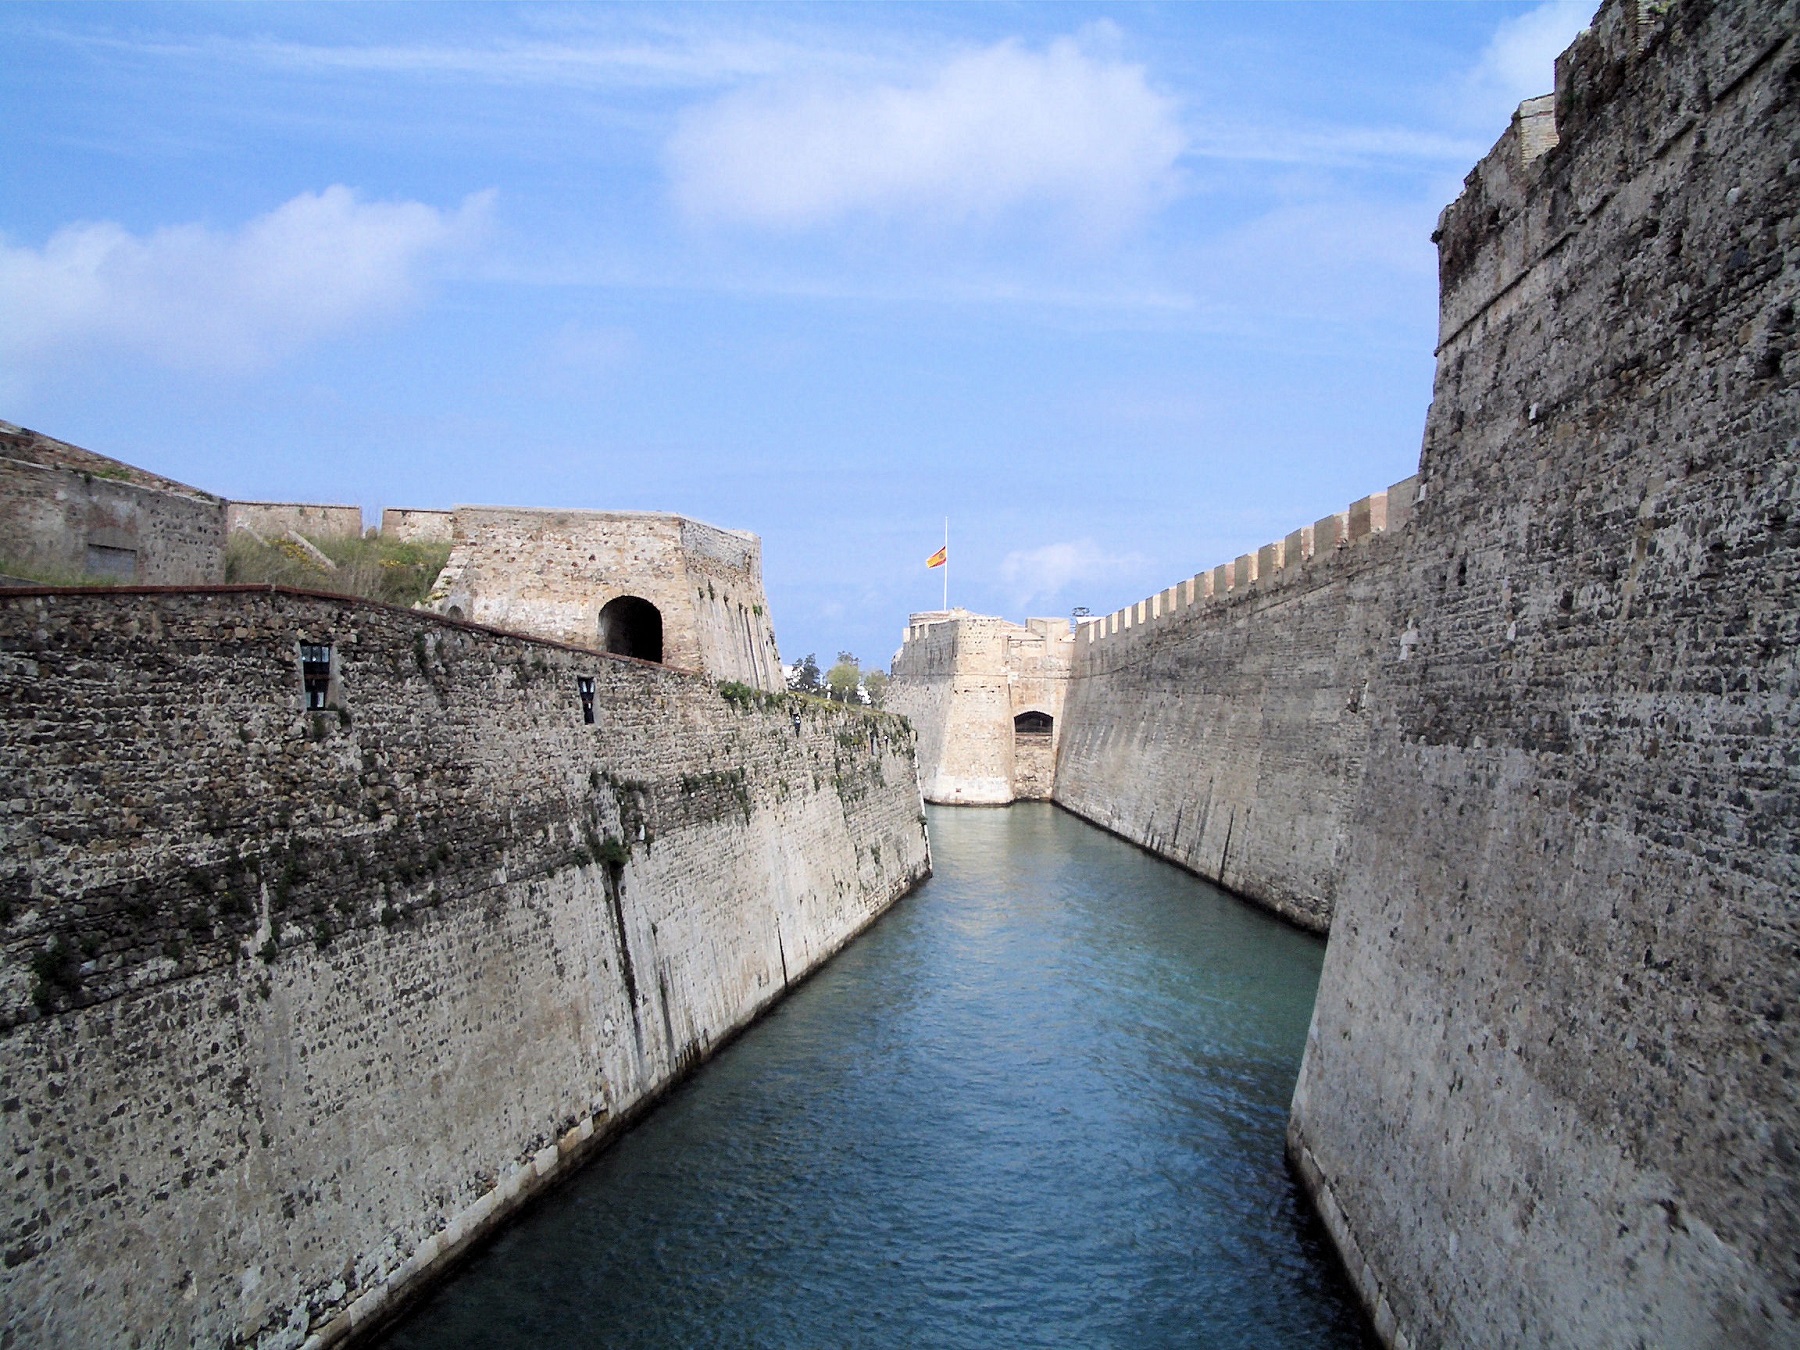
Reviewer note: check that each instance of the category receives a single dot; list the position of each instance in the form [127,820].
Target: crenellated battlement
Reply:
[1325,543]
[1533,192]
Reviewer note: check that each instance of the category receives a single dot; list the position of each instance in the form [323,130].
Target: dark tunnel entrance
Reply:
[1033,724]
[632,627]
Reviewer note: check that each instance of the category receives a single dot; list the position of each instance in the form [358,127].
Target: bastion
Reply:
[987,699]
[660,587]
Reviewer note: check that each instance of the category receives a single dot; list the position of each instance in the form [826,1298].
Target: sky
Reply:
[1121,291]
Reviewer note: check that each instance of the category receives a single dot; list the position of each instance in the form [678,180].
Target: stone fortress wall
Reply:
[1548,1094]
[72,514]
[553,573]
[1222,723]
[413,525]
[314,520]
[980,690]
[78,516]
[295,1004]
[69,516]
[1526,741]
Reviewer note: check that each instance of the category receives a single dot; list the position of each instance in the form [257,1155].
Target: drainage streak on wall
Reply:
[296,1004]
[1549,1093]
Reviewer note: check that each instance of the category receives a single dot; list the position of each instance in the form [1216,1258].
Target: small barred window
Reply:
[315,673]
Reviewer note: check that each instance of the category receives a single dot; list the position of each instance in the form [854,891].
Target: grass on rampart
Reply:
[369,566]
[741,695]
[54,576]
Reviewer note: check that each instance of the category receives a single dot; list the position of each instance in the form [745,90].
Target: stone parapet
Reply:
[1282,562]
[271,520]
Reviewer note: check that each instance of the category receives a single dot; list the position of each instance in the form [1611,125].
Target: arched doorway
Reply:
[1034,757]
[630,626]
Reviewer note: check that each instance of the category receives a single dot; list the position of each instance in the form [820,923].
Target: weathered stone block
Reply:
[1368,515]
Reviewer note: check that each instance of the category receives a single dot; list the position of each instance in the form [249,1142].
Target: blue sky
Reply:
[1123,291]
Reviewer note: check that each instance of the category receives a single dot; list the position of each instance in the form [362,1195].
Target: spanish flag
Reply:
[939,558]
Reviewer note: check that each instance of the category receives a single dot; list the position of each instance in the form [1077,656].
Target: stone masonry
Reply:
[297,1003]
[77,515]
[315,521]
[551,573]
[1549,1095]
[987,699]
[1223,722]
[412,525]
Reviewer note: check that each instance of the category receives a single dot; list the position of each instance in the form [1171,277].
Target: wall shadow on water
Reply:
[1041,1103]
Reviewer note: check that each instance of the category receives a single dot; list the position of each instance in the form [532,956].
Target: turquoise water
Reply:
[1040,1103]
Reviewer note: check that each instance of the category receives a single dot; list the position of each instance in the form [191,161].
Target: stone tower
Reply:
[658,587]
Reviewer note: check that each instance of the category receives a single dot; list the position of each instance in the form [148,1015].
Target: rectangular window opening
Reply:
[584,684]
[315,673]
[120,564]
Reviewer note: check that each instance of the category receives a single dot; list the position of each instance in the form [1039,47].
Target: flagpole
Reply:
[946,564]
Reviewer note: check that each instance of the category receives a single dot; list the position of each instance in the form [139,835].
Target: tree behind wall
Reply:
[803,678]
[875,683]
[842,679]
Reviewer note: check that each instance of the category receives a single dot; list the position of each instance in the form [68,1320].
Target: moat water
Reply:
[1042,1102]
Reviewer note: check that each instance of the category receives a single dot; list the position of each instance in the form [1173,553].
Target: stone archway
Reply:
[631,626]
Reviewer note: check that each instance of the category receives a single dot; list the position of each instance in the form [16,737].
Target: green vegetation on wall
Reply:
[370,566]
[55,576]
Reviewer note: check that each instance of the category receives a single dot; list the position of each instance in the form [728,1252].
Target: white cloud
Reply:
[1047,572]
[1519,61]
[989,131]
[193,297]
